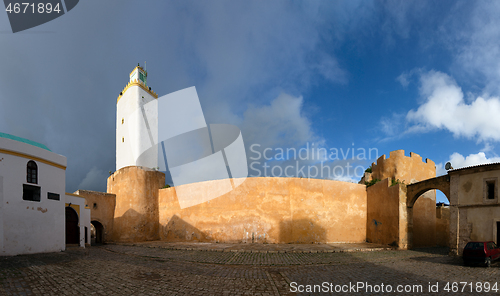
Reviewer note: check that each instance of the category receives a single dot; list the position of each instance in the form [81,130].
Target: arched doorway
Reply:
[431,220]
[422,215]
[424,220]
[97,233]
[72,228]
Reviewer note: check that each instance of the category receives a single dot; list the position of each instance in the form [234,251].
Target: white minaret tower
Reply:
[137,123]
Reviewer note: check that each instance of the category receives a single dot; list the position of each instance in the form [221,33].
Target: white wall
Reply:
[31,226]
[1,214]
[139,111]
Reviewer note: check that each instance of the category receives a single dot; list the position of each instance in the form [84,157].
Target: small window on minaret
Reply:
[123,120]
[123,139]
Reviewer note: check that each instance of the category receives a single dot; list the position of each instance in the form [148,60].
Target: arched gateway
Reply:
[415,190]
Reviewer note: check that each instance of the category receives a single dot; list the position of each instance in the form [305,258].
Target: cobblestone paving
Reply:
[143,270]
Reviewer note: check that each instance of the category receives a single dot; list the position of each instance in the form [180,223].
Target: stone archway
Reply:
[72,228]
[97,232]
[415,190]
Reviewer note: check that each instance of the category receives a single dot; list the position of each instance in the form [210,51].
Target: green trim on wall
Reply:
[23,140]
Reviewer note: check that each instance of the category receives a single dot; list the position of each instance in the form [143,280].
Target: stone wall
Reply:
[424,220]
[136,212]
[383,213]
[102,209]
[442,226]
[270,210]
[477,215]
[410,170]
[473,215]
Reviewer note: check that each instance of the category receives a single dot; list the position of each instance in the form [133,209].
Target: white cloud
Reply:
[283,125]
[279,124]
[444,108]
[457,161]
[329,67]
[392,126]
[404,79]
[487,147]
[474,40]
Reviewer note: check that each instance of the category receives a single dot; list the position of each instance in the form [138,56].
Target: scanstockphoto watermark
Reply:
[359,287]
[309,161]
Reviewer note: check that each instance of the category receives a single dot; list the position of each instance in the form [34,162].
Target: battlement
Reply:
[409,169]
[401,154]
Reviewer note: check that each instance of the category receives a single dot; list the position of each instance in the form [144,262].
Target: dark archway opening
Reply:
[72,228]
[97,233]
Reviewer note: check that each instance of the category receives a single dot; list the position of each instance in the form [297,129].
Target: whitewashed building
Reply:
[36,214]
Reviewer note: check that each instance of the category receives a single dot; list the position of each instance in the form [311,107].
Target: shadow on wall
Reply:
[179,230]
[291,231]
[301,231]
[134,227]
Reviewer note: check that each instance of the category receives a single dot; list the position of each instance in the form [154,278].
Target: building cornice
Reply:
[75,195]
[141,85]
[475,169]
[14,153]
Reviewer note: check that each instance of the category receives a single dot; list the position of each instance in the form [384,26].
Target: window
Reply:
[32,172]
[95,206]
[123,139]
[31,192]
[53,196]
[490,190]
[491,246]
[123,120]
[475,246]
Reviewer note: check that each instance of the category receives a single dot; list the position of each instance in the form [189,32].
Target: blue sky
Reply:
[422,76]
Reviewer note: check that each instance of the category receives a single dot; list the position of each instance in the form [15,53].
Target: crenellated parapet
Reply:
[398,166]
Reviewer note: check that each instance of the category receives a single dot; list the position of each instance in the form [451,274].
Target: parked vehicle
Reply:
[481,253]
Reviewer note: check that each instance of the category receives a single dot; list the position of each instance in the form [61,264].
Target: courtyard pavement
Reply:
[158,268]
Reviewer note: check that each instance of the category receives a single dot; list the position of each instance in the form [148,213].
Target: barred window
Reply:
[31,193]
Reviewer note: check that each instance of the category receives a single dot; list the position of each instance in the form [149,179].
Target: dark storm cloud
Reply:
[60,80]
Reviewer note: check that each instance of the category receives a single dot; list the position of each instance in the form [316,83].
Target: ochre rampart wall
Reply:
[383,213]
[102,209]
[273,210]
[410,170]
[136,212]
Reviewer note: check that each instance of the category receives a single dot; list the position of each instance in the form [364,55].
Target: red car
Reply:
[480,253]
